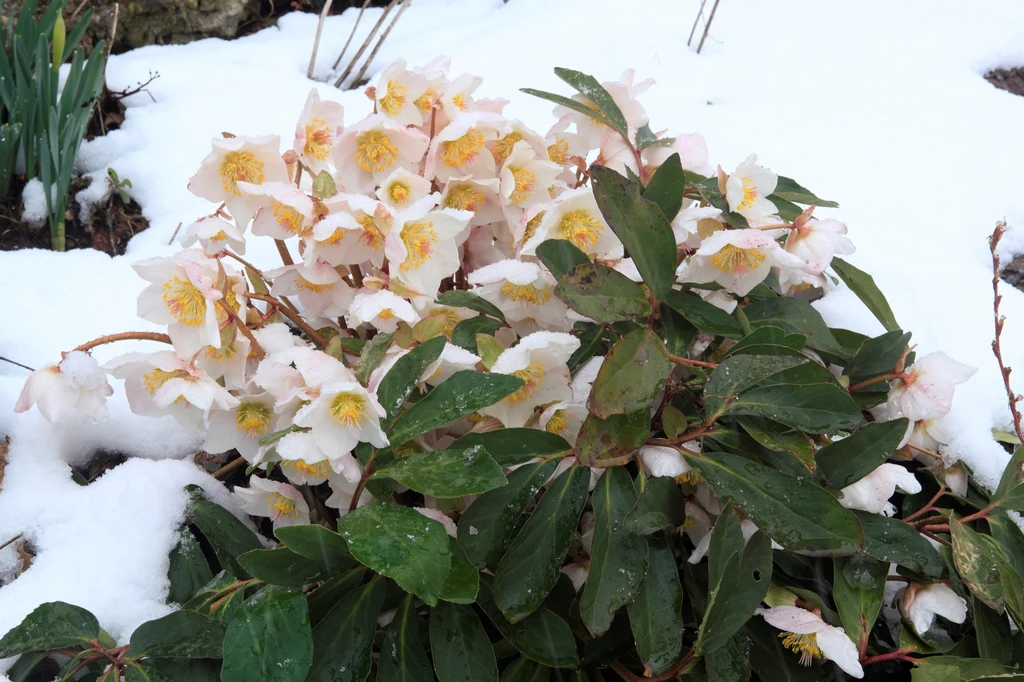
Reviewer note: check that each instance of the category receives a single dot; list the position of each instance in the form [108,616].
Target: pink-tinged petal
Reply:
[794,619]
[37,384]
[436,515]
[57,402]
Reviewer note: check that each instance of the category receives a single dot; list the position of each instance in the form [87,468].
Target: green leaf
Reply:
[446,473]
[459,644]
[319,544]
[269,638]
[485,528]
[632,375]
[589,87]
[859,584]
[531,565]
[703,315]
[462,393]
[463,581]
[602,294]
[189,570]
[875,357]
[402,544]
[489,349]
[144,671]
[863,284]
[795,316]
[674,421]
[372,355]
[569,103]
[892,540]
[794,512]
[1010,491]
[768,341]
[465,332]
[53,625]
[789,189]
[616,436]
[560,256]
[976,558]
[182,634]
[542,636]
[403,656]
[660,507]
[771,661]
[456,298]
[282,567]
[846,461]
[509,447]
[666,186]
[324,598]
[778,438]
[228,536]
[640,225]
[791,391]
[590,342]
[745,578]
[655,616]
[400,381]
[343,641]
[993,633]
[731,661]
[523,669]
[618,557]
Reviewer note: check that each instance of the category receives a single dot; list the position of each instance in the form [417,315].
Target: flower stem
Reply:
[125,336]
[928,507]
[900,655]
[314,336]
[874,380]
[692,363]
[256,347]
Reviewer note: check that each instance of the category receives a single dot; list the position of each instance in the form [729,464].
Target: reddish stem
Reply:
[692,363]
[125,336]
[928,507]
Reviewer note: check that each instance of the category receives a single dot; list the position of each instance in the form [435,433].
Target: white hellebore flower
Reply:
[321,290]
[525,294]
[370,150]
[811,637]
[285,210]
[402,189]
[242,426]
[872,493]
[815,242]
[76,383]
[739,260]
[344,415]
[925,391]
[540,361]
[281,502]
[477,195]
[459,150]
[422,248]
[525,178]
[342,491]
[403,95]
[575,217]
[665,461]
[317,131]
[382,310]
[254,160]
[214,234]
[352,232]
[920,603]
[747,191]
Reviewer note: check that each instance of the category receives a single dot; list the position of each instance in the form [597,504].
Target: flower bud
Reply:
[323,186]
[59,38]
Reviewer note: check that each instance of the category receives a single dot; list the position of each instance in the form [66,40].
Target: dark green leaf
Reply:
[640,225]
[863,284]
[588,86]
[457,298]
[560,256]
[182,634]
[509,447]
[446,473]
[402,544]
[666,186]
[655,616]
[462,393]
[531,565]
[778,438]
[993,632]
[1010,491]
[523,669]
[789,189]
[343,641]
[464,580]
[485,528]
[892,540]
[372,355]
[282,567]
[53,625]
[403,656]
[673,420]
[269,638]
[848,460]
[774,663]
[228,536]
[618,557]
[731,661]
[795,316]
[189,570]
[794,512]
[602,294]
[145,671]
[590,343]
[319,544]
[660,507]
[616,436]
[542,636]
[459,645]
[568,102]
[398,384]
[768,341]
[703,315]
[632,375]
[859,584]
[323,598]
[744,582]
[464,334]
[976,558]
[875,357]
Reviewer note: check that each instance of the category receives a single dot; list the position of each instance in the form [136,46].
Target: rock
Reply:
[162,22]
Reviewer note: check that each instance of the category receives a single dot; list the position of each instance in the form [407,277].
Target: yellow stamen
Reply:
[348,409]
[219,237]
[253,419]
[532,225]
[749,195]
[288,217]
[386,314]
[557,424]
[318,140]
[321,469]
[425,102]
[399,192]
[184,301]
[525,180]
[581,228]
[335,238]
[525,292]
[533,374]
[805,645]
[460,101]
[152,381]
[503,147]
[559,152]
[225,353]
[375,152]
[310,286]
[737,260]
[395,98]
[463,150]
[419,240]
[240,167]
[464,197]
[451,319]
[282,507]
[691,477]
[372,237]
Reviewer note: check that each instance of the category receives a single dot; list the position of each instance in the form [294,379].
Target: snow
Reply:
[878,105]
[33,198]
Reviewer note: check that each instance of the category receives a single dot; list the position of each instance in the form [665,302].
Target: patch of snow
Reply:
[33,197]
[97,190]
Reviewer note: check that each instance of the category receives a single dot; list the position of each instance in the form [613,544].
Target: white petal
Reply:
[837,647]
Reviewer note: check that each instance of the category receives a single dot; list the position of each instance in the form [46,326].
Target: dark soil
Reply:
[1011,80]
[1013,272]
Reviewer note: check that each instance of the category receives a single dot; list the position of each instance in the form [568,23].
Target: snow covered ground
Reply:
[880,106]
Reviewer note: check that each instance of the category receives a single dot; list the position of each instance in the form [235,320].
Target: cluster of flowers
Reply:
[437,190]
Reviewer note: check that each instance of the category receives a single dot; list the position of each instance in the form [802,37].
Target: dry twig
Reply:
[351,35]
[366,44]
[316,41]
[707,27]
[380,42]
[1011,397]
